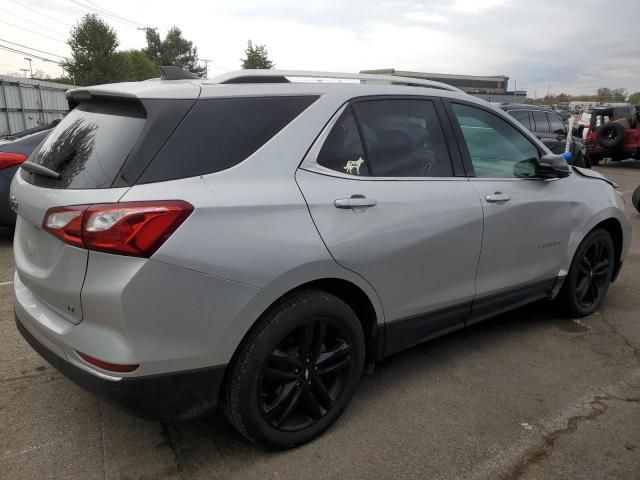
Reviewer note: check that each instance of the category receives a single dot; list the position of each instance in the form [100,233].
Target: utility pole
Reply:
[30,69]
[206,67]
[515,89]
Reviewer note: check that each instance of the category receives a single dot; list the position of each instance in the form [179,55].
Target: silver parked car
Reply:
[255,240]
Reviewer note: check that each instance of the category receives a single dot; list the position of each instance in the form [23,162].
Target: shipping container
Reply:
[26,103]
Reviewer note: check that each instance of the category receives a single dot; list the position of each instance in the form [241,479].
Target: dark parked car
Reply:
[635,199]
[549,127]
[565,114]
[14,150]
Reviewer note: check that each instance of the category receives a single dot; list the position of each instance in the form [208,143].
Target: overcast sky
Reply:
[575,46]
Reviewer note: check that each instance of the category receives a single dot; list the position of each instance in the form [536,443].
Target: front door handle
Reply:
[356,201]
[497,197]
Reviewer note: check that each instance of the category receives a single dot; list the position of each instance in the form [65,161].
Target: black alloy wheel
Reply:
[296,371]
[301,379]
[589,276]
[594,273]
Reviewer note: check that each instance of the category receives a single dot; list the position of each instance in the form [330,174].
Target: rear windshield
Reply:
[220,133]
[89,146]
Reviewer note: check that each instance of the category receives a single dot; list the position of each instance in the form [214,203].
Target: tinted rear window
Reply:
[89,146]
[220,133]
[522,116]
[540,119]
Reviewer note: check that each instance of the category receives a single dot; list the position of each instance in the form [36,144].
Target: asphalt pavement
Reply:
[527,395]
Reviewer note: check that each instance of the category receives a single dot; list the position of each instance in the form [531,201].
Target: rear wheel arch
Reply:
[360,303]
[351,294]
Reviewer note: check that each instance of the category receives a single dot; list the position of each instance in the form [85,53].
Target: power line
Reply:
[31,48]
[15,50]
[32,31]
[36,24]
[109,16]
[113,13]
[43,14]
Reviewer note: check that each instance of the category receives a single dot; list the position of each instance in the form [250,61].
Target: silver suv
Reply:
[255,240]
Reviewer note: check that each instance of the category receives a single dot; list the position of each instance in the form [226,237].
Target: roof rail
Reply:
[282,76]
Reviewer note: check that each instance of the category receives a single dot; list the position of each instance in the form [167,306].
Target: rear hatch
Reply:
[86,152]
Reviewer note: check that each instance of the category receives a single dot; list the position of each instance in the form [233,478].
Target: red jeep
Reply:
[618,135]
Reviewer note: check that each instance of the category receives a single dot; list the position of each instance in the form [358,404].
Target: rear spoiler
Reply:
[79,95]
[154,88]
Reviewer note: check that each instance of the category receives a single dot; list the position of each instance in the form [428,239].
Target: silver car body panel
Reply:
[266,226]
[53,270]
[525,237]
[415,230]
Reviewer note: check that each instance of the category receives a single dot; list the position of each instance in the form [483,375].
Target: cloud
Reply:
[575,46]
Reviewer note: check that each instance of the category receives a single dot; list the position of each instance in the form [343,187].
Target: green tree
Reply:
[94,59]
[605,94]
[138,66]
[173,50]
[256,56]
[634,98]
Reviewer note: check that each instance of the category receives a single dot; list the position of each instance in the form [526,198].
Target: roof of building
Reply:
[523,106]
[443,76]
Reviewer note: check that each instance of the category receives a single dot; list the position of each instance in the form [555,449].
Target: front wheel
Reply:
[296,371]
[589,276]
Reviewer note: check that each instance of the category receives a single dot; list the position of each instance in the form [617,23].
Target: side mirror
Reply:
[552,166]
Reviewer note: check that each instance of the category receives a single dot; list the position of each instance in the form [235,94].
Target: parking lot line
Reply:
[5,283]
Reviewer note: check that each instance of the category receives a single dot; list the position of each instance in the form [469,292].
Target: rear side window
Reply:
[556,124]
[540,119]
[220,133]
[342,150]
[89,146]
[403,138]
[522,116]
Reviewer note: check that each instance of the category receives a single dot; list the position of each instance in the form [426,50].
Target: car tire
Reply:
[296,371]
[595,162]
[589,277]
[610,135]
[635,198]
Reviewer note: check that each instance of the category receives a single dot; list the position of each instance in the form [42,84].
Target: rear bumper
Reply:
[172,396]
[614,153]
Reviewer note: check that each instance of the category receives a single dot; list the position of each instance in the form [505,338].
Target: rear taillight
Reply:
[10,159]
[136,229]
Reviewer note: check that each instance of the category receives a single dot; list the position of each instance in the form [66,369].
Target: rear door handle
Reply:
[497,197]
[356,201]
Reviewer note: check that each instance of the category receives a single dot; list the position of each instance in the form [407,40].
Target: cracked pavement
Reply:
[527,395]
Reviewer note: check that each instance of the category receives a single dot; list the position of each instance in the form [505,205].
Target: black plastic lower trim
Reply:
[171,396]
[493,305]
[407,332]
